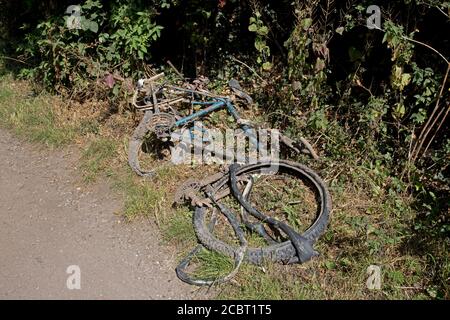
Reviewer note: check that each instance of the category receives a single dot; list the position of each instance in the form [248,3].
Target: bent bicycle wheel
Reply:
[284,251]
[145,142]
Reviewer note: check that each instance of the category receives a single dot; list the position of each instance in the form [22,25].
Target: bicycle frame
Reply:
[216,103]
[162,118]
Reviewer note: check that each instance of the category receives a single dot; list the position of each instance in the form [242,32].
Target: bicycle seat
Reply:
[237,89]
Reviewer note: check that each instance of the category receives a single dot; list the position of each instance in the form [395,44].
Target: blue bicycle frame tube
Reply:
[248,130]
[201,113]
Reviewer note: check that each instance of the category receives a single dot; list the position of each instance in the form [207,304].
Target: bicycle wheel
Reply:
[156,147]
[284,252]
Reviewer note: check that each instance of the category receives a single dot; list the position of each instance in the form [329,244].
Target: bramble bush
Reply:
[95,58]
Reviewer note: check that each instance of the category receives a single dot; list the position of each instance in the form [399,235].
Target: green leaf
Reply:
[263,31]
[267,66]
[260,45]
[93,26]
[330,265]
[116,89]
[406,78]
[419,117]
[307,23]
[252,28]
[399,111]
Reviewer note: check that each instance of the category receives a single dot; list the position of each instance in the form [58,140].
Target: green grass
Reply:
[212,265]
[178,228]
[32,118]
[255,284]
[141,198]
[97,158]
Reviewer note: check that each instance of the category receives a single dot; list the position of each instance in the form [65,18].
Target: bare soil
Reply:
[49,220]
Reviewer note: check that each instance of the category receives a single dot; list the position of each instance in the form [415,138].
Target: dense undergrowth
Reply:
[372,101]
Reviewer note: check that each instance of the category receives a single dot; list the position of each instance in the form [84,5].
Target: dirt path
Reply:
[48,221]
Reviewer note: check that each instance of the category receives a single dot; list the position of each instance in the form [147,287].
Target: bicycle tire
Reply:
[284,252]
[135,144]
